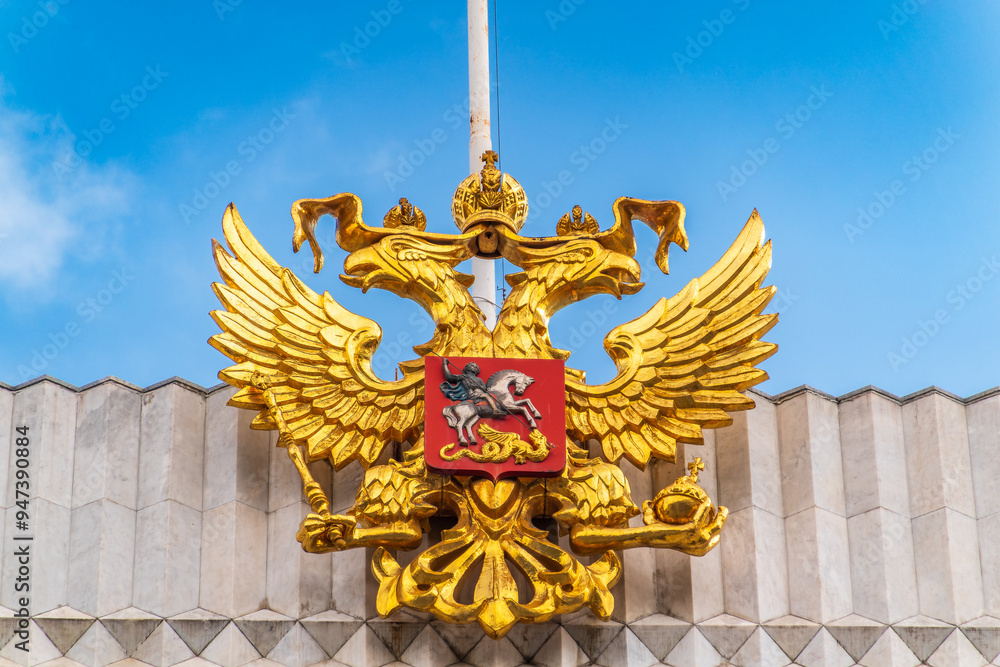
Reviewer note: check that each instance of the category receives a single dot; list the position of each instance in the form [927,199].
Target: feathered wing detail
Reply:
[600,492]
[315,354]
[682,365]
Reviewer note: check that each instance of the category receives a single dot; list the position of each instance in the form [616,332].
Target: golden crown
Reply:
[405,214]
[489,197]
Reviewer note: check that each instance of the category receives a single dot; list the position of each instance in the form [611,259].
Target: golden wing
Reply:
[314,353]
[682,365]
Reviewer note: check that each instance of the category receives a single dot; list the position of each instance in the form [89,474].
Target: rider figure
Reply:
[469,386]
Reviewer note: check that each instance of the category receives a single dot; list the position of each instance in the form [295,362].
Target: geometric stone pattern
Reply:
[865,533]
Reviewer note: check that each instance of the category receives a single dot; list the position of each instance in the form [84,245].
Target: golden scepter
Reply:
[314,493]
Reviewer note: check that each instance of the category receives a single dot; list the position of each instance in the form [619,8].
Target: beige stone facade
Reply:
[863,529]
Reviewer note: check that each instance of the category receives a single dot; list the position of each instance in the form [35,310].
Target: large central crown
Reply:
[489,197]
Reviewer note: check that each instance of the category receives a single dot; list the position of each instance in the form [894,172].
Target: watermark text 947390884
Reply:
[22,538]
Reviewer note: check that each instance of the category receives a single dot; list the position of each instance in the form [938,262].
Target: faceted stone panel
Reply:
[172,449]
[791,633]
[331,629]
[660,633]
[64,626]
[626,649]
[811,468]
[48,410]
[694,651]
[264,629]
[727,633]
[198,628]
[527,638]
[984,443]
[560,650]
[984,633]
[236,456]
[956,651]
[754,566]
[397,631]
[297,649]
[949,580]
[824,651]
[130,627]
[493,653]
[856,634]
[428,649]
[883,566]
[889,651]
[874,454]
[163,648]
[106,460]
[167,558]
[363,650]
[299,583]
[233,559]
[230,648]
[938,464]
[101,557]
[760,651]
[591,634]
[922,635]
[819,570]
[749,468]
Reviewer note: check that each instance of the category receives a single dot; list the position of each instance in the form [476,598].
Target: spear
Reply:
[517,417]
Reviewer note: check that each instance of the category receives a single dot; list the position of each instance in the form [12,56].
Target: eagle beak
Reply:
[362,269]
[619,274]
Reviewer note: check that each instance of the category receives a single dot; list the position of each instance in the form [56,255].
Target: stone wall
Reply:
[862,529]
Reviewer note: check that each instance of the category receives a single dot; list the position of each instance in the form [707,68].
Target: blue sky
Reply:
[864,132]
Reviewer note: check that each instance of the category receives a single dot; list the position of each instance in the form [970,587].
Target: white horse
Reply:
[465,414]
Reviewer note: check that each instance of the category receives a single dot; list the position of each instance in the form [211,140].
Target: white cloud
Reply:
[44,219]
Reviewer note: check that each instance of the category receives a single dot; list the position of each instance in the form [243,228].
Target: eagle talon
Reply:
[332,532]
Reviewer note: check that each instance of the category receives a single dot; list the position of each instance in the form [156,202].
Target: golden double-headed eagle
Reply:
[304,363]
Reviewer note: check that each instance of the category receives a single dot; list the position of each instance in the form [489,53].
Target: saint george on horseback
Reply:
[492,399]
[468,386]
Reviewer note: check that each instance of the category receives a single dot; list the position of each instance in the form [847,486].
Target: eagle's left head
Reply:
[573,268]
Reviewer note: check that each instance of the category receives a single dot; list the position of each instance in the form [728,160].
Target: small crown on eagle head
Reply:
[405,214]
[489,197]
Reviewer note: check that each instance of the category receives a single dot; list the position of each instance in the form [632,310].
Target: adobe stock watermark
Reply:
[562,12]
[421,327]
[581,159]
[591,324]
[304,262]
[363,35]
[958,298]
[121,107]
[698,43]
[456,116]
[783,301]
[33,22]
[247,150]
[914,168]
[87,311]
[223,7]
[786,127]
[900,16]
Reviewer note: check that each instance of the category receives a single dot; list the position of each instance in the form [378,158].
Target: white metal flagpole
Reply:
[484,290]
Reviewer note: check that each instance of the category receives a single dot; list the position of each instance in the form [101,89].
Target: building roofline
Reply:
[775,399]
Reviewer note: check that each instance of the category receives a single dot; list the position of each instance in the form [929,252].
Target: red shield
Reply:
[495,418]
